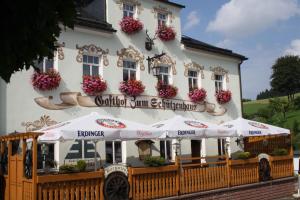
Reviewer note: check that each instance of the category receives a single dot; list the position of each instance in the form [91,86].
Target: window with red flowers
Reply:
[162,19]
[90,65]
[128,10]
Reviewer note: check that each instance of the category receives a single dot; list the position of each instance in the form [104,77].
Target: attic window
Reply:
[128,10]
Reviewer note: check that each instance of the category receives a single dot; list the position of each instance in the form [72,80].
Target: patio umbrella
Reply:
[181,127]
[98,127]
[246,128]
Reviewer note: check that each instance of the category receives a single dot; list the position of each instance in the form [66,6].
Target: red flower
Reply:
[45,80]
[165,90]
[197,95]
[223,96]
[130,25]
[166,33]
[93,85]
[132,87]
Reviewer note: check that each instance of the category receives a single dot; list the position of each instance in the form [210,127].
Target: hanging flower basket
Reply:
[132,88]
[130,25]
[223,96]
[166,91]
[46,80]
[166,33]
[93,85]
[197,95]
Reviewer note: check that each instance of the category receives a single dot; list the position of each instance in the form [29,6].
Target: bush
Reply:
[280,152]
[67,168]
[240,155]
[152,161]
[81,165]
[297,103]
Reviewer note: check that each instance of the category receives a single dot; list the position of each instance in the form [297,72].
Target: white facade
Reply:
[17,98]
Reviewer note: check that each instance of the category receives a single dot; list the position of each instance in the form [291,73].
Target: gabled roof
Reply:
[196,44]
[171,3]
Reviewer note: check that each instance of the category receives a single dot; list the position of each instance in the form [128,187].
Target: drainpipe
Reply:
[240,80]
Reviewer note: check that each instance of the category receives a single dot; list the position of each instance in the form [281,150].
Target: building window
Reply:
[113,151]
[129,70]
[45,156]
[128,10]
[162,19]
[90,65]
[46,64]
[193,79]
[219,82]
[165,146]
[164,75]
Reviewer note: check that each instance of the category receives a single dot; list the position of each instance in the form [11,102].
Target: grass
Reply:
[252,107]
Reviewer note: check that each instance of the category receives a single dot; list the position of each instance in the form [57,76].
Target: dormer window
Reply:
[162,19]
[128,10]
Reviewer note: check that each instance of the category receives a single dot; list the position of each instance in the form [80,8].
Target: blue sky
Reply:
[262,30]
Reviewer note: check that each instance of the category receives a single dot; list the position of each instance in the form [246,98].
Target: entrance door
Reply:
[15,174]
[196,149]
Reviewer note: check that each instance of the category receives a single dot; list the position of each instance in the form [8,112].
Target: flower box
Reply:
[44,81]
[197,95]
[132,88]
[223,96]
[93,85]
[166,33]
[166,91]
[130,25]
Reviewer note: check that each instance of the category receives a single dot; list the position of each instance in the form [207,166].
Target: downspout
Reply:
[240,80]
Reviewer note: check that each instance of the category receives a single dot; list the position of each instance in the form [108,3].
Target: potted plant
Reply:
[280,152]
[166,33]
[152,161]
[197,95]
[223,96]
[81,165]
[130,25]
[44,81]
[93,85]
[132,87]
[166,90]
[67,168]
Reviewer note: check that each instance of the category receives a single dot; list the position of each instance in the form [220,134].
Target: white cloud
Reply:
[239,18]
[192,20]
[294,48]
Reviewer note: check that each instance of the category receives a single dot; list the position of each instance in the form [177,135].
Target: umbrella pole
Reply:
[95,154]
[113,152]
[166,156]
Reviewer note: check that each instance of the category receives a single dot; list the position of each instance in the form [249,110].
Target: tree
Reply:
[280,106]
[285,78]
[30,30]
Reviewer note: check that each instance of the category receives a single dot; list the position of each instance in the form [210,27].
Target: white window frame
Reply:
[133,12]
[55,63]
[219,82]
[159,19]
[113,151]
[100,72]
[130,69]
[193,78]
[163,74]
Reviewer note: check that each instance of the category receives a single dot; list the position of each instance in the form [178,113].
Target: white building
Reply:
[97,45]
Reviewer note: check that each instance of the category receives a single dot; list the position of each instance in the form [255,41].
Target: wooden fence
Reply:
[76,186]
[190,175]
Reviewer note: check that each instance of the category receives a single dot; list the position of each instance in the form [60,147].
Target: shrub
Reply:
[81,165]
[93,85]
[130,25]
[152,161]
[280,152]
[46,80]
[197,95]
[132,87]
[240,155]
[165,90]
[67,168]
[166,33]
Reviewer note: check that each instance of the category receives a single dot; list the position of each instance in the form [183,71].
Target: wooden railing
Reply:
[76,186]
[243,171]
[197,177]
[150,183]
[281,166]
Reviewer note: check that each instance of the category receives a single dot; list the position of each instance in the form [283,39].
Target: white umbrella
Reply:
[181,127]
[248,128]
[98,127]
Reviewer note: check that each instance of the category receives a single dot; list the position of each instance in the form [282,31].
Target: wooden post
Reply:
[9,152]
[24,144]
[130,181]
[177,175]
[34,168]
[228,170]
